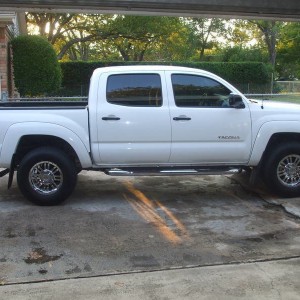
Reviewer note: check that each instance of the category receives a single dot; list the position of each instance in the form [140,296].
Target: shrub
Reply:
[76,75]
[36,69]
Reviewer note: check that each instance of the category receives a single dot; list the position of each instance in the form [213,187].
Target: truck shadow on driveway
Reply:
[116,225]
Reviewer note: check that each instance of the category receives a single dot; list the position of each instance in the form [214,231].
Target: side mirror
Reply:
[236,101]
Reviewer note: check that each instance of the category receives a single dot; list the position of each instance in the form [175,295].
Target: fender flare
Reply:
[16,131]
[266,131]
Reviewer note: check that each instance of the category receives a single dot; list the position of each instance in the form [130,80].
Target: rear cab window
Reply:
[138,90]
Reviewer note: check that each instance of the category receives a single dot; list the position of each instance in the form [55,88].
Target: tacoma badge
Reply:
[228,137]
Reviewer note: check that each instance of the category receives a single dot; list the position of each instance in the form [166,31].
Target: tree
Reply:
[76,36]
[177,46]
[288,60]
[50,26]
[270,31]
[263,34]
[204,32]
[69,33]
[36,69]
[132,36]
[135,38]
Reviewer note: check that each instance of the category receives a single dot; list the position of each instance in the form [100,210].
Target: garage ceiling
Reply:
[274,9]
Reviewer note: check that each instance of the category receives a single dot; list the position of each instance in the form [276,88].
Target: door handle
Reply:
[111,118]
[182,118]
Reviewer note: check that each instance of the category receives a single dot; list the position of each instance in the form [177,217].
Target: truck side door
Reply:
[133,119]
[205,129]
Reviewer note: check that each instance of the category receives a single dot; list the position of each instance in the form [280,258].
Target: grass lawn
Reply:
[294,98]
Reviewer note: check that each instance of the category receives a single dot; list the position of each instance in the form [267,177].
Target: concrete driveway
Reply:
[125,225]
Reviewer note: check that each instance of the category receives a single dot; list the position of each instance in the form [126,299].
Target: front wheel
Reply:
[46,176]
[282,170]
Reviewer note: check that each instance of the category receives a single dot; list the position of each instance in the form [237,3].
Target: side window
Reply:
[134,90]
[199,91]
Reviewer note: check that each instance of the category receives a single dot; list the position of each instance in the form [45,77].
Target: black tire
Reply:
[282,170]
[46,176]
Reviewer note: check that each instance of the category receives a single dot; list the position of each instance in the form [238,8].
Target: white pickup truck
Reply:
[153,120]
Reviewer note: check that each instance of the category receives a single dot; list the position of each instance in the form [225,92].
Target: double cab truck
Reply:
[153,120]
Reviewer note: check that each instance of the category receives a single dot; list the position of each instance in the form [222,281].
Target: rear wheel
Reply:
[46,176]
[282,170]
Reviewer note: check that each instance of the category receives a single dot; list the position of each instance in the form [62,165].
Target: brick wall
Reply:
[3,59]
[6,69]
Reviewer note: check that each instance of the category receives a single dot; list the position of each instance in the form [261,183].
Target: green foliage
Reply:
[204,33]
[87,37]
[240,54]
[135,36]
[76,74]
[36,69]
[288,60]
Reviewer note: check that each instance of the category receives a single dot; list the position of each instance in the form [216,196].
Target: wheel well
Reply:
[278,139]
[30,142]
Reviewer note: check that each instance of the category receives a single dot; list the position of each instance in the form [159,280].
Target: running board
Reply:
[4,172]
[171,171]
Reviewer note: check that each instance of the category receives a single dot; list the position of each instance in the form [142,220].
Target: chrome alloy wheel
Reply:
[45,177]
[288,170]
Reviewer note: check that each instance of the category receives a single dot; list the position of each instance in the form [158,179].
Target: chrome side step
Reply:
[171,171]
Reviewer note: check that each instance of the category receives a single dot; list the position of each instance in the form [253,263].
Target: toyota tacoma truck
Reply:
[149,120]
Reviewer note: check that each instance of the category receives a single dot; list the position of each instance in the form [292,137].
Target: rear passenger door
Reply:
[133,119]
